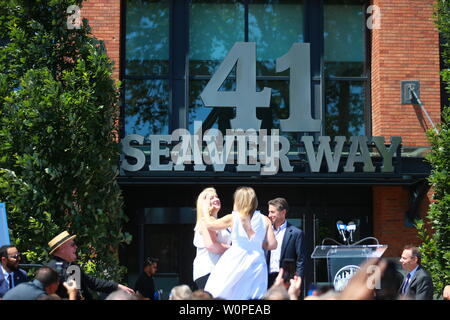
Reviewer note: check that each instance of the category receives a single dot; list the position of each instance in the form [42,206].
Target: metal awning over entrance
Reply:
[408,171]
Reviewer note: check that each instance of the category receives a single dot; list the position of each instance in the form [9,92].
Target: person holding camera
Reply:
[282,290]
[43,287]
[64,252]
[290,243]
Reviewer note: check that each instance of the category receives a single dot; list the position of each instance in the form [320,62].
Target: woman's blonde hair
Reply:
[245,200]
[201,197]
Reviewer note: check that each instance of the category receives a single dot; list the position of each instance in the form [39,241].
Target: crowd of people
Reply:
[243,255]
[253,253]
[240,255]
[51,280]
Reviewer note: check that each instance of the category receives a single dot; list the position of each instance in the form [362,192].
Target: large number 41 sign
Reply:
[245,98]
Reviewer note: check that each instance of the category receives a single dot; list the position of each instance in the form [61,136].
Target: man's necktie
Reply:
[10,280]
[405,284]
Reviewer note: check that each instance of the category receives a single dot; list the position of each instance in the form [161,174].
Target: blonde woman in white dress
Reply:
[209,244]
[241,272]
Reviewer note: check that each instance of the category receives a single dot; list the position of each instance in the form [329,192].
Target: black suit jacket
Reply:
[292,247]
[87,281]
[421,286]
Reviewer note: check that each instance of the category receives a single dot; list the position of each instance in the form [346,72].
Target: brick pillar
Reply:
[405,48]
[390,205]
[104,19]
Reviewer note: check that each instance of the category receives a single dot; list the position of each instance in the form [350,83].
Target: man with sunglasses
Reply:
[10,275]
[64,253]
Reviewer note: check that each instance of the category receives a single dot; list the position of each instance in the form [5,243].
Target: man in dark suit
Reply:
[10,275]
[417,284]
[290,241]
[64,252]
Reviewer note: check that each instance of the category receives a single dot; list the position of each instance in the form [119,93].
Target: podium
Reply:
[343,261]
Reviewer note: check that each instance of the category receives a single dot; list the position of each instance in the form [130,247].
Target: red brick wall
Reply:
[104,19]
[405,48]
[389,208]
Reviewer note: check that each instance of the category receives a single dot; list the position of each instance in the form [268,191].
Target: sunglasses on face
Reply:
[70,244]
[17,256]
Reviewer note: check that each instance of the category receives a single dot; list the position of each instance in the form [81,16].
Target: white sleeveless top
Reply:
[205,260]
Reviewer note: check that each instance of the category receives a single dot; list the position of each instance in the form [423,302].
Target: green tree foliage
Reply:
[58,135]
[436,244]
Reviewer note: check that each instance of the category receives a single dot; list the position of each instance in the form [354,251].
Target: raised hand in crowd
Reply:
[292,287]
[446,293]
[71,287]
[363,284]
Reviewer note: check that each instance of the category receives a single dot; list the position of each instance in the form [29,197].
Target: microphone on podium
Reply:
[341,228]
[351,227]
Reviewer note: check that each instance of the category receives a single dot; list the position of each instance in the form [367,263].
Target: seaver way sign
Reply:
[246,146]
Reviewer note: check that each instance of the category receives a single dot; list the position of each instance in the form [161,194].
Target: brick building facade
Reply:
[405,47]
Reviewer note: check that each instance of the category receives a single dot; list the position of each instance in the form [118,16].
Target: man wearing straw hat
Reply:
[64,252]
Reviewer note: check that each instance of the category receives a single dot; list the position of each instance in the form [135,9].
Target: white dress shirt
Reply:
[276,253]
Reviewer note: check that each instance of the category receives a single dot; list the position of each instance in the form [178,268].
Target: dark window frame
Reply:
[179,77]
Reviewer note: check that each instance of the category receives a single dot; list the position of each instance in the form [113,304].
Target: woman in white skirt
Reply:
[241,272]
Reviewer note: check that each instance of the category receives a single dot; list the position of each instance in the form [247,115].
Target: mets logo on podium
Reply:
[343,276]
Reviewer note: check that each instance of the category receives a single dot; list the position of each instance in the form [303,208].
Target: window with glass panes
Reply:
[172,48]
[345,68]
